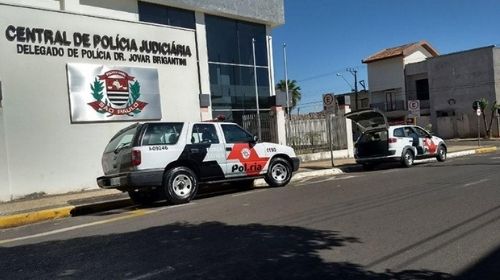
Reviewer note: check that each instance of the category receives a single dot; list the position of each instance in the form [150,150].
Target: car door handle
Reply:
[195,151]
[229,149]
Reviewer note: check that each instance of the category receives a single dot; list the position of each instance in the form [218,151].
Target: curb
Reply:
[486,150]
[305,174]
[33,217]
[68,211]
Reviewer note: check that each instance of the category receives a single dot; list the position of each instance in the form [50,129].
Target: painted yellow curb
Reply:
[486,150]
[33,217]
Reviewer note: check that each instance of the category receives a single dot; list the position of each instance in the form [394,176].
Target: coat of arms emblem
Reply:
[116,93]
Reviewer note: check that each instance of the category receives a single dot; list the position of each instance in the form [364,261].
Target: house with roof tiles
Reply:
[386,77]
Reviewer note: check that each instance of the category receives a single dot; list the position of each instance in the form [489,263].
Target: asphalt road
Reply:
[431,221]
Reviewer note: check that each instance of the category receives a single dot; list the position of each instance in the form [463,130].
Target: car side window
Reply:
[399,132]
[162,134]
[421,133]
[409,131]
[204,134]
[236,134]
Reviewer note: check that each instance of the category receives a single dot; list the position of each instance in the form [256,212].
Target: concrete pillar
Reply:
[5,188]
[278,115]
[203,70]
[348,126]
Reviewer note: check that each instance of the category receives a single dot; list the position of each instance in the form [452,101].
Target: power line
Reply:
[327,74]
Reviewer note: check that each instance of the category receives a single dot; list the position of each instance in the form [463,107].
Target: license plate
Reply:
[115,181]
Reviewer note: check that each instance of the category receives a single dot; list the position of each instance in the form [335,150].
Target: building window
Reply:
[231,66]
[422,89]
[230,41]
[154,13]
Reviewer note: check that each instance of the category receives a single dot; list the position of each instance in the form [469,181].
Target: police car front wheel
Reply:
[279,173]
[180,185]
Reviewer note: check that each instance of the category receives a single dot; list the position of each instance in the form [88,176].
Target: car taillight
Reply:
[393,140]
[136,157]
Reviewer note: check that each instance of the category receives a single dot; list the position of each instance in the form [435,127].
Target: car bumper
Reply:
[295,163]
[131,180]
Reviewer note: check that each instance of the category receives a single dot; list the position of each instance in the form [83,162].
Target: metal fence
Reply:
[267,126]
[313,133]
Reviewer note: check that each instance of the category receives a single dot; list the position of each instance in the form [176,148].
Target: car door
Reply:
[429,148]
[206,150]
[242,157]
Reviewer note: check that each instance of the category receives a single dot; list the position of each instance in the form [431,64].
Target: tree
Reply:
[293,90]
[483,105]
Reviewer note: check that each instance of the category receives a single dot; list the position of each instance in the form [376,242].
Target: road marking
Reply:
[475,183]
[247,193]
[153,273]
[133,214]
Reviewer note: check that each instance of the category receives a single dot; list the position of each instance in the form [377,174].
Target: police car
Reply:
[381,142]
[169,160]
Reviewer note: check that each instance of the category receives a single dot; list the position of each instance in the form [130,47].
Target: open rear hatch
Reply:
[373,141]
[368,119]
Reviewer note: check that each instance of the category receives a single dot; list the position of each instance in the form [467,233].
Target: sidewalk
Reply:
[31,210]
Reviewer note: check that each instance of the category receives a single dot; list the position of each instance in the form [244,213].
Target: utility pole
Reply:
[259,130]
[286,82]
[354,72]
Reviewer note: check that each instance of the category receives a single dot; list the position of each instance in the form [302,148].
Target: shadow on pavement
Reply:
[488,268]
[210,250]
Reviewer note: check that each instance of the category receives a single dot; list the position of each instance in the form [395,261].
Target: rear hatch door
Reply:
[369,119]
[117,156]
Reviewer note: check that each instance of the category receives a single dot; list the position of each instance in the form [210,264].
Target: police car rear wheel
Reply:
[279,173]
[407,159]
[180,185]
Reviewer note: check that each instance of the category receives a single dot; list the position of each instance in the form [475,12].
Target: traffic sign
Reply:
[414,108]
[328,101]
[478,112]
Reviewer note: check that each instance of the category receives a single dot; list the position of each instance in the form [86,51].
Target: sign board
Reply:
[329,101]
[112,93]
[414,108]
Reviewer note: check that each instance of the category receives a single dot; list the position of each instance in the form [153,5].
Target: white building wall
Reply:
[4,167]
[44,150]
[420,54]
[46,4]
[118,9]
[386,74]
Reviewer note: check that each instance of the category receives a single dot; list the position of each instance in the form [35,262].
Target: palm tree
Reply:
[293,90]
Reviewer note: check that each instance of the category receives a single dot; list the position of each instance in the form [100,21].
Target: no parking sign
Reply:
[414,108]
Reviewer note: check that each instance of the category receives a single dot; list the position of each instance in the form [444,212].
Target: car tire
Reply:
[441,153]
[180,185]
[407,158]
[279,173]
[144,197]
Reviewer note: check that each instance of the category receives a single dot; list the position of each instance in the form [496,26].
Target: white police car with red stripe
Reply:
[169,160]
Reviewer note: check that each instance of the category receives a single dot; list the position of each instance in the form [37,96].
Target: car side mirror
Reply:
[255,139]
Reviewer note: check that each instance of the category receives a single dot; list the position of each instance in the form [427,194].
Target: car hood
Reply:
[368,119]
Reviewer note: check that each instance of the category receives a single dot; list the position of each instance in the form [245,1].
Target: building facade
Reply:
[445,86]
[386,76]
[452,82]
[73,73]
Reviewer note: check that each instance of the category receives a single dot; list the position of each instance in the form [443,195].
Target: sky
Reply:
[324,37]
